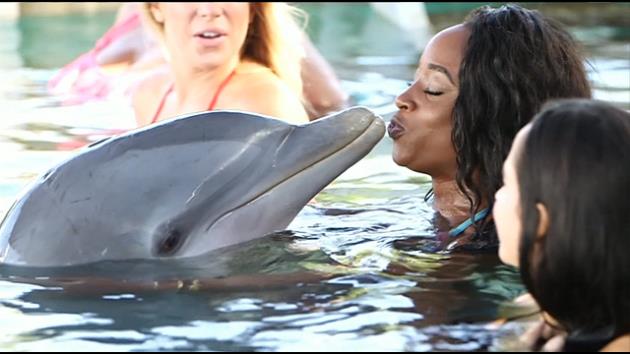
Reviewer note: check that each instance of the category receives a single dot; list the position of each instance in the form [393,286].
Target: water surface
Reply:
[347,275]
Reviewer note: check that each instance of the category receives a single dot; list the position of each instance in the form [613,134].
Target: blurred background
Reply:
[395,298]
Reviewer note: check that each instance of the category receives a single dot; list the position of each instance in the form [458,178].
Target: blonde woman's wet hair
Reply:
[274,39]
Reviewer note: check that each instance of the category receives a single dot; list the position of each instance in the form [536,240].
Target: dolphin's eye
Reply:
[170,243]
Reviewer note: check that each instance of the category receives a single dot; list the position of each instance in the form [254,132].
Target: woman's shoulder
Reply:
[620,344]
[260,90]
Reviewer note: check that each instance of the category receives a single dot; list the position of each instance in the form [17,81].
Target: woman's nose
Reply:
[402,104]
[209,10]
[404,101]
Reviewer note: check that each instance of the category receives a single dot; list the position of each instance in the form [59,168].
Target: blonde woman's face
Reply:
[507,205]
[205,33]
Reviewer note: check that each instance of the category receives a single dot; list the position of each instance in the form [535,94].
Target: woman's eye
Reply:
[427,91]
[433,93]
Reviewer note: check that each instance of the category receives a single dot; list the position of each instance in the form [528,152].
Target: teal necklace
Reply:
[456,231]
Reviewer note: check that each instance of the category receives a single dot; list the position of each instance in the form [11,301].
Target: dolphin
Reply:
[182,188]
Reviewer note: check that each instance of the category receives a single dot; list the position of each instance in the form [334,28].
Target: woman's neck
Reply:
[194,84]
[449,201]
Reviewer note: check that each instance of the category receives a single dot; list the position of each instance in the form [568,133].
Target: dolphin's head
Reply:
[183,187]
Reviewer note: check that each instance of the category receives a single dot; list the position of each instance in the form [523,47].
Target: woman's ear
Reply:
[156,13]
[543,221]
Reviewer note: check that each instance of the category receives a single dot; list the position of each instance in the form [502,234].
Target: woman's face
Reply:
[205,33]
[507,205]
[422,127]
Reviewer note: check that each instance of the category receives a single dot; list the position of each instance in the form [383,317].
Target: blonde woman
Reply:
[237,56]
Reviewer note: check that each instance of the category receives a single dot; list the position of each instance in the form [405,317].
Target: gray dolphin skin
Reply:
[182,187]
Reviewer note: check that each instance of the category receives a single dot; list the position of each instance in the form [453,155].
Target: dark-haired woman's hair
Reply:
[515,60]
[576,162]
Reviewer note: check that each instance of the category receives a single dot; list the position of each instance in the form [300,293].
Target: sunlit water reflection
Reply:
[347,275]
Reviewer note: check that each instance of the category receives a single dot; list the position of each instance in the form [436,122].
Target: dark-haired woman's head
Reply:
[563,214]
[477,84]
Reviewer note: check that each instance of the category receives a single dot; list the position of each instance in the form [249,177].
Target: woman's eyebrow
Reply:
[440,68]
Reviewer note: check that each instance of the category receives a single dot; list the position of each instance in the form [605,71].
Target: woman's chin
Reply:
[399,157]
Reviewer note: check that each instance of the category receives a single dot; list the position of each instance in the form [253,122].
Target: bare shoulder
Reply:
[621,344]
[147,93]
[261,91]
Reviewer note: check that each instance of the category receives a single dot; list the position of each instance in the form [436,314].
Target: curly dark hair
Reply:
[515,60]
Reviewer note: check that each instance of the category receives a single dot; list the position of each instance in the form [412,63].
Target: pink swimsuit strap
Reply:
[210,107]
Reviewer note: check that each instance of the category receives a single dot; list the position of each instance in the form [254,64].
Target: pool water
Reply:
[346,275]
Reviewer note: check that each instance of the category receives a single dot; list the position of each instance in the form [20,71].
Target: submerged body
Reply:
[182,188]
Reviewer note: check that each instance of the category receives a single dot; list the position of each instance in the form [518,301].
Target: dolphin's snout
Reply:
[341,128]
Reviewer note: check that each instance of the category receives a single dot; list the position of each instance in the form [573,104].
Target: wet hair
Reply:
[515,60]
[576,162]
